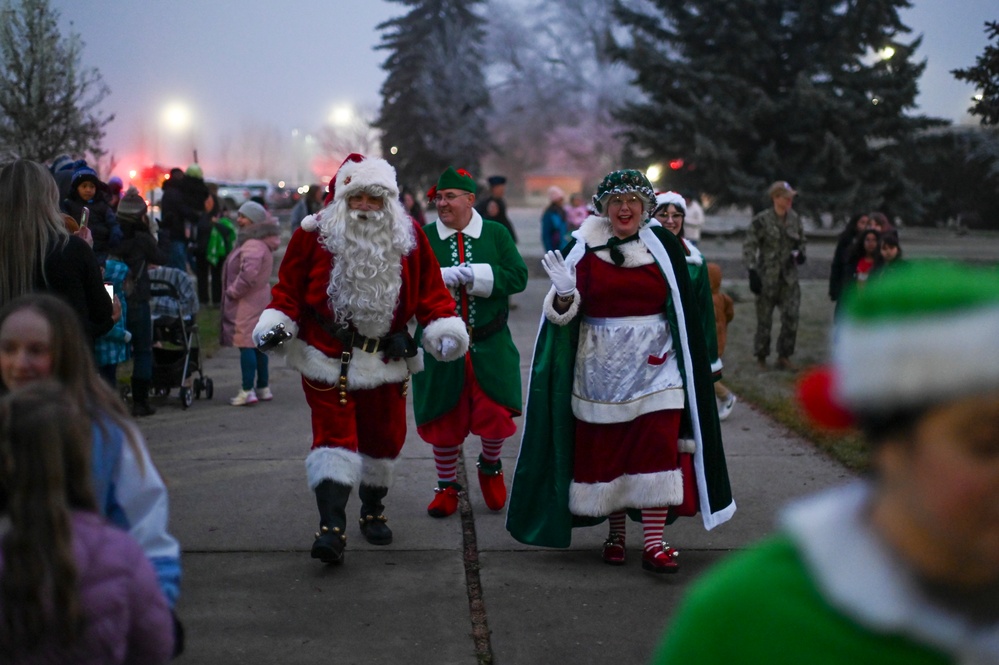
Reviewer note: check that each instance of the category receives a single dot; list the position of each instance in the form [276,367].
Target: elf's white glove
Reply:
[465,274]
[563,277]
[448,345]
[452,276]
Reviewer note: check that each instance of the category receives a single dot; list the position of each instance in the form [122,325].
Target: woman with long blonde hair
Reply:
[37,253]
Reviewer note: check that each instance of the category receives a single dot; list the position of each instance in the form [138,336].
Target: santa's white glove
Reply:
[563,277]
[452,276]
[448,345]
[465,274]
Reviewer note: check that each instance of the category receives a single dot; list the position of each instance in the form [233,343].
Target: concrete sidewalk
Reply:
[245,517]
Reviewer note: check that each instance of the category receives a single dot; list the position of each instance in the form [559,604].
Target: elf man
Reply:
[481,266]
[350,280]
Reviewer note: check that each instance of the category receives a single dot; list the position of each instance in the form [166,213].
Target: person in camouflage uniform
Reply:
[772,251]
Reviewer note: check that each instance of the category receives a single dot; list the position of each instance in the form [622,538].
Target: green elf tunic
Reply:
[499,273]
[539,512]
[826,590]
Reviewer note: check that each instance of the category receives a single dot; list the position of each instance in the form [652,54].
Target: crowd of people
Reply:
[622,415]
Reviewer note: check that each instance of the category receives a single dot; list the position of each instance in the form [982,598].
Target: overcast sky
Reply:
[289,64]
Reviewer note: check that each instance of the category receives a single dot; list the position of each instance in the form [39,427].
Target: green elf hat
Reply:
[920,333]
[626,181]
[453,179]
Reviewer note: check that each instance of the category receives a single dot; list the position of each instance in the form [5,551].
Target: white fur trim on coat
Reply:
[451,326]
[270,318]
[367,370]
[311,222]
[377,472]
[642,490]
[337,464]
[596,231]
[548,307]
[694,257]
[483,280]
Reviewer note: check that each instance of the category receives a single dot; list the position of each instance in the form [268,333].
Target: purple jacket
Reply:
[126,614]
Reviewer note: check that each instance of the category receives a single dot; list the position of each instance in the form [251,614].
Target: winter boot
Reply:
[140,398]
[331,498]
[373,520]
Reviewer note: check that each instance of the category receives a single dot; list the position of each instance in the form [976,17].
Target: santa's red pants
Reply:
[475,412]
[372,422]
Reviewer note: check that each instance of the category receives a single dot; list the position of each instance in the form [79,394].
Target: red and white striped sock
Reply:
[491,449]
[618,522]
[653,524]
[446,459]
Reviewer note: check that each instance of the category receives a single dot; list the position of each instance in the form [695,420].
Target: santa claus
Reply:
[350,280]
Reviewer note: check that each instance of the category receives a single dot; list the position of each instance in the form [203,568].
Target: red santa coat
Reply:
[359,441]
[301,293]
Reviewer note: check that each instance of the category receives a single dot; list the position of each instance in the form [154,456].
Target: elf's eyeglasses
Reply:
[449,197]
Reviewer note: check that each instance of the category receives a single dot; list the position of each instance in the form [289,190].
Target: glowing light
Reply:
[676,164]
[281,184]
[132,173]
[341,116]
[176,117]
[654,172]
[394,150]
[886,53]
[875,100]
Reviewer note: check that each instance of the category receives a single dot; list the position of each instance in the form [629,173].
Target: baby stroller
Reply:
[176,350]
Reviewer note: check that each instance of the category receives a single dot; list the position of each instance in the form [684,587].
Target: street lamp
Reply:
[342,115]
[177,119]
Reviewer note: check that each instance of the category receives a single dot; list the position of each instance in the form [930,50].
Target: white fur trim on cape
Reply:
[863,578]
[694,257]
[483,281]
[367,370]
[904,363]
[642,490]
[369,172]
[377,471]
[270,318]
[452,326]
[337,464]
[596,231]
[716,366]
[548,307]
[710,519]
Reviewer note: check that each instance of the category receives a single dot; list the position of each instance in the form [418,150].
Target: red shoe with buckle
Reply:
[445,501]
[661,560]
[492,484]
[614,551]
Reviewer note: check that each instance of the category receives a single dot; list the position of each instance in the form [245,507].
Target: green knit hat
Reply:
[919,333]
[453,179]
[621,182]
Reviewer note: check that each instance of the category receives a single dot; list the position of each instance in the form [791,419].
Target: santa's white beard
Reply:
[366,278]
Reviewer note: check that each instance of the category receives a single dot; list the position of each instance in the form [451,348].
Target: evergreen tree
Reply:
[750,91]
[434,99]
[985,75]
[48,100]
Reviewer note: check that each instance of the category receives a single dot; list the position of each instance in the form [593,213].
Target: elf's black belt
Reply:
[480,333]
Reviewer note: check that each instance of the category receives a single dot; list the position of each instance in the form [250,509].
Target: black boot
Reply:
[331,498]
[373,521]
[140,398]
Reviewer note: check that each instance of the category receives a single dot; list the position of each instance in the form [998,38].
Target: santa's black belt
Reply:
[396,346]
[479,333]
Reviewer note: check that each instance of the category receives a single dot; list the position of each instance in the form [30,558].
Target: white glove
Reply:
[465,274]
[452,276]
[563,277]
[448,345]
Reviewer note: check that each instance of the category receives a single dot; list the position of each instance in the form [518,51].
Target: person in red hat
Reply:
[482,267]
[351,279]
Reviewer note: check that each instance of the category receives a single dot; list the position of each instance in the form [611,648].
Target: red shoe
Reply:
[445,501]
[661,560]
[614,549]
[491,483]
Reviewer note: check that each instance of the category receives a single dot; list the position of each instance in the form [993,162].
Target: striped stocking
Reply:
[491,449]
[653,523]
[618,522]
[446,458]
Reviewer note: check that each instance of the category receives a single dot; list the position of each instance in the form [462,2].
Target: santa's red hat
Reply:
[357,173]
